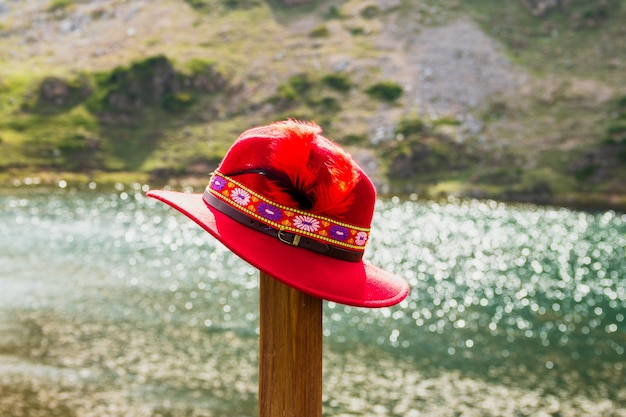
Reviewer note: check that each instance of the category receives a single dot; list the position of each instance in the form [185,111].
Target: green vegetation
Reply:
[584,38]
[55,95]
[370,11]
[334,12]
[338,81]
[60,4]
[320,31]
[164,109]
[411,127]
[312,96]
[211,5]
[386,90]
[105,121]
[422,151]
[616,129]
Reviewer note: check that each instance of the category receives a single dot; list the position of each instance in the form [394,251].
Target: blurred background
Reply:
[495,132]
[521,100]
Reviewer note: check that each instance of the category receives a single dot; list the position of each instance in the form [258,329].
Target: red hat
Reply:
[296,206]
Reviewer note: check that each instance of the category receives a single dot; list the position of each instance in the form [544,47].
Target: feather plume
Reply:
[311,172]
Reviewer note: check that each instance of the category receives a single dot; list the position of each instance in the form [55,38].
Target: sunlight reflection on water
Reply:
[126,296]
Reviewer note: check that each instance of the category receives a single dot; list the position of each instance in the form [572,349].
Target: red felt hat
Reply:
[296,206]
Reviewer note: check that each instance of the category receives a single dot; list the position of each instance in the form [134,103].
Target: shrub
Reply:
[408,127]
[320,31]
[446,121]
[329,105]
[226,4]
[177,101]
[334,13]
[339,82]
[355,139]
[241,4]
[586,172]
[73,143]
[370,11]
[59,5]
[595,12]
[154,82]
[285,93]
[386,90]
[196,4]
[616,132]
[621,106]
[300,83]
[357,30]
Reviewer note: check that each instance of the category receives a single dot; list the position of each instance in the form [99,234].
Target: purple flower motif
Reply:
[339,232]
[218,183]
[270,212]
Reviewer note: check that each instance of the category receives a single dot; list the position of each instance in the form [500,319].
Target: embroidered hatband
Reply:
[292,226]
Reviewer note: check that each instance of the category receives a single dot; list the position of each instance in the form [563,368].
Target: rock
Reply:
[155,81]
[62,93]
[54,90]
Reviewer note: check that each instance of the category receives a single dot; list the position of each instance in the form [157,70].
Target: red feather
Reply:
[316,170]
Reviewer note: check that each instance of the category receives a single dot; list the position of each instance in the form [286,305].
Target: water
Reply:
[115,305]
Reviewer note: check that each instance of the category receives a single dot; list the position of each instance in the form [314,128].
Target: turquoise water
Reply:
[113,304]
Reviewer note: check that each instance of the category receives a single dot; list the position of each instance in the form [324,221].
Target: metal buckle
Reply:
[294,242]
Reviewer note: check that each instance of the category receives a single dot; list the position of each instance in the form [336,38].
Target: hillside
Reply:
[518,100]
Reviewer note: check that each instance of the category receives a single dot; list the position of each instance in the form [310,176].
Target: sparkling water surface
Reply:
[112,304]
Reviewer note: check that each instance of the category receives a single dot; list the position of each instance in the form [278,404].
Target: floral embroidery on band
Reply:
[286,218]
[239,196]
[307,223]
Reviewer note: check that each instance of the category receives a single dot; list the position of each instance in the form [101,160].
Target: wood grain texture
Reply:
[290,356]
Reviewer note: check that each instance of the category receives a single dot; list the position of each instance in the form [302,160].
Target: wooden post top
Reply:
[290,356]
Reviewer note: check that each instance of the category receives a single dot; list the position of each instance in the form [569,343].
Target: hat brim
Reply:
[359,284]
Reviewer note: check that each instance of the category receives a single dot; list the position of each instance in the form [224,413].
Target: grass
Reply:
[60,5]
[559,42]
[90,135]
[560,126]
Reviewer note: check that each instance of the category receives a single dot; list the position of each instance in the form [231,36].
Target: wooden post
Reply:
[290,355]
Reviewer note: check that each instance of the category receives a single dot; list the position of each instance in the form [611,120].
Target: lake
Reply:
[112,304]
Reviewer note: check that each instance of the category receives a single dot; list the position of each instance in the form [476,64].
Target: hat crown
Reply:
[292,164]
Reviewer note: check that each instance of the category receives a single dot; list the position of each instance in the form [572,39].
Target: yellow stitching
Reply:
[254,193]
[289,228]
